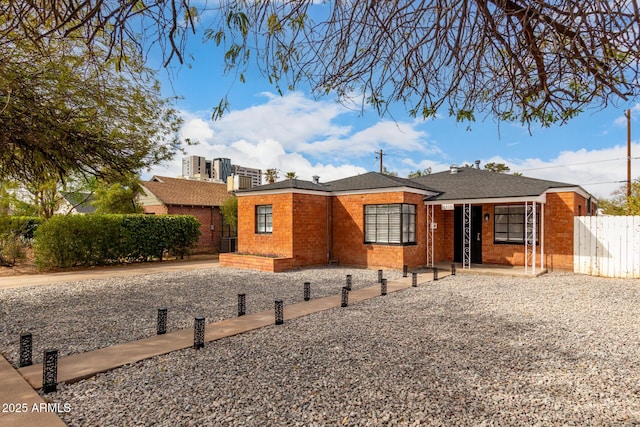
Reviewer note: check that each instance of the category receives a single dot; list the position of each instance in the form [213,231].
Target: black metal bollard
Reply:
[307,291]
[453,269]
[26,349]
[279,311]
[349,282]
[50,371]
[242,304]
[161,328]
[405,270]
[198,333]
[414,280]
[345,297]
[383,287]
[379,276]
[435,274]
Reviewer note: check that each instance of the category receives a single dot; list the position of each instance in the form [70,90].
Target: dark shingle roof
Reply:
[299,184]
[374,180]
[472,183]
[366,181]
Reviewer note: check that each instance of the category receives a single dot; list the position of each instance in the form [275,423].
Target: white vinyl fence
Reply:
[607,246]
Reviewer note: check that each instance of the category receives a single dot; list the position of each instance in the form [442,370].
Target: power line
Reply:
[576,164]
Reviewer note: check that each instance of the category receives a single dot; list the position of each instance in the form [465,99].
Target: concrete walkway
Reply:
[81,366]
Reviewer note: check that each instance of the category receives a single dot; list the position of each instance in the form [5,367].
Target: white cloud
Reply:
[295,133]
[600,171]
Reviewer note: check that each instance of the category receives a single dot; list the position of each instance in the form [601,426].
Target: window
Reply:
[510,224]
[395,224]
[264,223]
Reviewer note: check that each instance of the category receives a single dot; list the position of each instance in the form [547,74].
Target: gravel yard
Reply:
[561,349]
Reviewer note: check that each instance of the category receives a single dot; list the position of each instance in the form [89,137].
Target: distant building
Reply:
[254,174]
[196,167]
[217,170]
[221,169]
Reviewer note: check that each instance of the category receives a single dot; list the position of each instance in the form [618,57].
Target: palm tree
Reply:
[271,175]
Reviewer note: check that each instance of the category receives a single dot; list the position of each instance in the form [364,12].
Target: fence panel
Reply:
[607,246]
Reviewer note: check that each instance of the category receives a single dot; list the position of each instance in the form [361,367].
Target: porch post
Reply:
[530,237]
[430,236]
[535,237]
[542,237]
[466,236]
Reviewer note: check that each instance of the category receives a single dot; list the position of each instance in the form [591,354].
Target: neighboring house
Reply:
[76,203]
[463,215]
[202,199]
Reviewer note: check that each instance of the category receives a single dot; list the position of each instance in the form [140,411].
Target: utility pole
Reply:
[380,154]
[628,114]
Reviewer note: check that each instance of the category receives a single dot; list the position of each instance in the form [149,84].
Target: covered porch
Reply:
[493,236]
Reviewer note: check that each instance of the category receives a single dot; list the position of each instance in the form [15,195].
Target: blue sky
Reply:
[309,136]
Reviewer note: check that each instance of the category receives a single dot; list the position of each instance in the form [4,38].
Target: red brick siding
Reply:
[156,210]
[280,241]
[310,225]
[348,232]
[249,262]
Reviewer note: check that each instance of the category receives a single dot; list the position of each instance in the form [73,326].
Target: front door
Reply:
[476,234]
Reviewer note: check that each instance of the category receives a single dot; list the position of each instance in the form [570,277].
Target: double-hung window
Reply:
[264,220]
[510,223]
[390,224]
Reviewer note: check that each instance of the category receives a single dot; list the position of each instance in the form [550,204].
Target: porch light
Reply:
[487,217]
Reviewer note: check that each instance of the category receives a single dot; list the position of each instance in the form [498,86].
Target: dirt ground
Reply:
[26,266]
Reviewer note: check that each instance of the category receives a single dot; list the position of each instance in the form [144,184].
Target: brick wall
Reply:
[310,226]
[348,232]
[559,213]
[280,241]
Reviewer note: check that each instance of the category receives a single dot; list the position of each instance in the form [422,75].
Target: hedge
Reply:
[84,240]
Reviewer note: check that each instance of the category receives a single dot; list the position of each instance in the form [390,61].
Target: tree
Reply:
[534,61]
[119,197]
[497,167]
[229,210]
[386,171]
[619,204]
[419,172]
[65,109]
[271,175]
[290,175]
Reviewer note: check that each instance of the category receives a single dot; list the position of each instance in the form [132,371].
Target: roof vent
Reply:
[316,179]
[477,162]
[453,169]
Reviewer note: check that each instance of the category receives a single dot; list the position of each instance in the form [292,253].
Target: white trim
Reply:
[539,199]
[335,193]
[576,189]
[384,190]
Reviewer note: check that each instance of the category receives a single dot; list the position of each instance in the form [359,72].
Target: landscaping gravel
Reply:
[561,349]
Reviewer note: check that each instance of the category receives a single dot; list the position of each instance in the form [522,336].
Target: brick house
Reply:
[464,215]
[202,199]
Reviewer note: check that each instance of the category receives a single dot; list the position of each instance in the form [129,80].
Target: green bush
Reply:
[67,241]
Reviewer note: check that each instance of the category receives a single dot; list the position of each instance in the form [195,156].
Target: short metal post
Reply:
[383,287]
[26,349]
[379,276]
[162,321]
[307,291]
[435,274]
[242,304]
[345,297]
[279,312]
[198,333]
[349,282]
[414,280]
[405,270]
[453,269]
[50,371]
